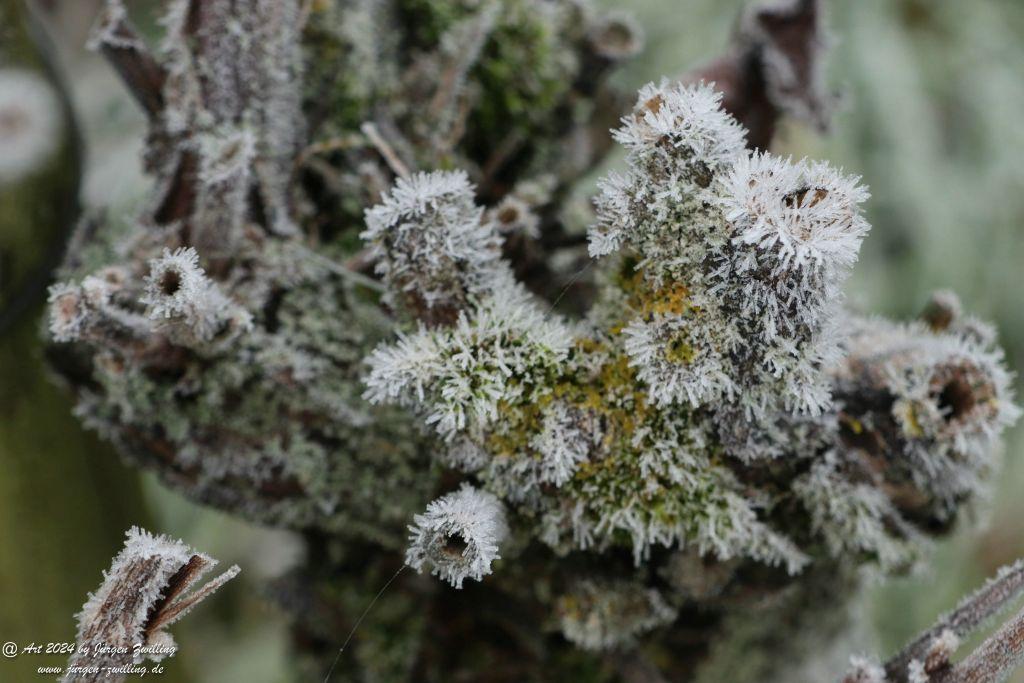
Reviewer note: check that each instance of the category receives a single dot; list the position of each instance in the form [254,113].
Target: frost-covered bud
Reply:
[795,233]
[601,614]
[944,313]
[458,536]
[433,246]
[457,376]
[68,311]
[942,310]
[678,141]
[29,123]
[796,230]
[802,219]
[926,408]
[940,651]
[179,295]
[681,134]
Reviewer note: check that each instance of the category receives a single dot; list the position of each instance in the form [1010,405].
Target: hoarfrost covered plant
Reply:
[146,589]
[458,535]
[178,292]
[760,244]
[464,373]
[432,243]
[720,326]
[360,285]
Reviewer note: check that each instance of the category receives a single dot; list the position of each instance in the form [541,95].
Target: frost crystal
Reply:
[855,517]
[459,375]
[458,536]
[564,441]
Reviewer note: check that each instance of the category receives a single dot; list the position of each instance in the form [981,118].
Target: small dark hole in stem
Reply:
[454,546]
[170,282]
[616,38]
[508,215]
[805,197]
[956,398]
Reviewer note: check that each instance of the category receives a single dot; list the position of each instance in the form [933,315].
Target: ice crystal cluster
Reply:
[458,535]
[361,304]
[718,336]
[431,242]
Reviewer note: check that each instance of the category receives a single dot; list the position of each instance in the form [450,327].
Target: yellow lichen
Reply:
[679,350]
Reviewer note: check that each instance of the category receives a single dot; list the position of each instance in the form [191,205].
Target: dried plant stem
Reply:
[387,151]
[143,592]
[994,659]
[988,601]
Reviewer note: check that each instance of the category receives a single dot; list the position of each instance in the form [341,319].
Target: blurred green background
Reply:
[931,118]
